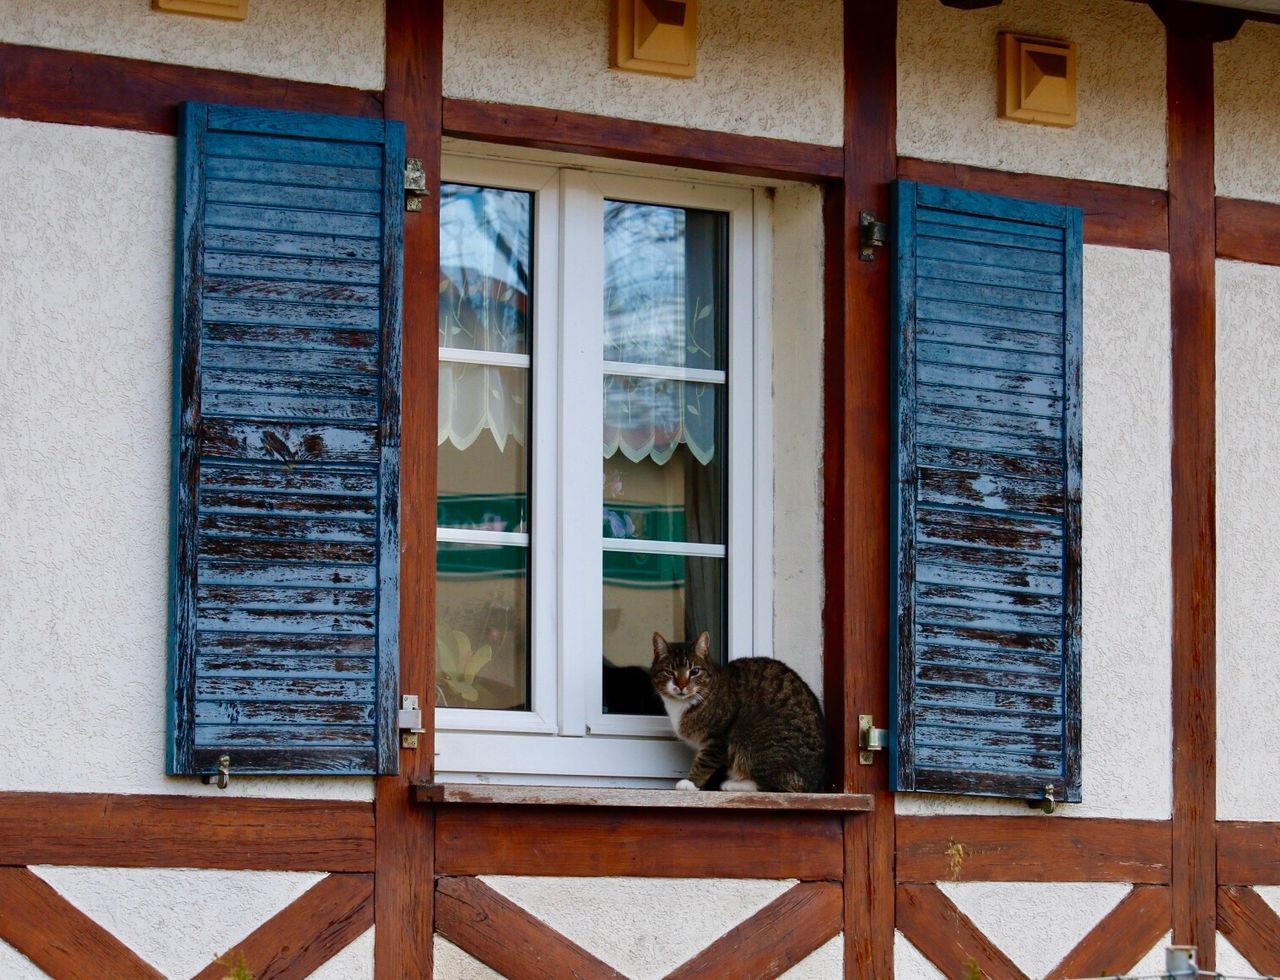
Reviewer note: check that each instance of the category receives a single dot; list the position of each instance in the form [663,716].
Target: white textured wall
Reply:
[1127,726]
[86,293]
[947,89]
[765,67]
[335,41]
[1248,416]
[1247,131]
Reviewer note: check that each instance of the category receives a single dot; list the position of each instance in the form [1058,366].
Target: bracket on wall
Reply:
[415,184]
[872,234]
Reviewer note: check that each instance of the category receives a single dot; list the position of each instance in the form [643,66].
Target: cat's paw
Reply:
[739,786]
[687,784]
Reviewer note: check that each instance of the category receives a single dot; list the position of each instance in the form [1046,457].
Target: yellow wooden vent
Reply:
[1037,80]
[226,9]
[655,36]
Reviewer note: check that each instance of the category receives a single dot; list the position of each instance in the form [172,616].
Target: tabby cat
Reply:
[754,719]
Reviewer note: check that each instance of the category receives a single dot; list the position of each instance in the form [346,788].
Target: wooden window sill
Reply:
[509,795]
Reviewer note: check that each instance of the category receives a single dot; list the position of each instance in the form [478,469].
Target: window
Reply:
[598,399]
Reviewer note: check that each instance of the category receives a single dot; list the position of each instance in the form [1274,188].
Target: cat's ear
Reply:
[660,648]
[702,649]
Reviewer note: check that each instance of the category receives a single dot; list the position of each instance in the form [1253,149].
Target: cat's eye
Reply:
[695,672]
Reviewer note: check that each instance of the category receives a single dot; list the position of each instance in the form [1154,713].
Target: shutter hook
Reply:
[1048,804]
[224,773]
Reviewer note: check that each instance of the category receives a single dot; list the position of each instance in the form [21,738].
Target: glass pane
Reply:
[678,597]
[485,268]
[664,456]
[665,285]
[484,454]
[482,650]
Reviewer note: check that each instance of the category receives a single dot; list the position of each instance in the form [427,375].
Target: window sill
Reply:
[508,795]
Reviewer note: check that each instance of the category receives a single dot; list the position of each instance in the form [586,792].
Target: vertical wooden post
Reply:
[404,831]
[856,480]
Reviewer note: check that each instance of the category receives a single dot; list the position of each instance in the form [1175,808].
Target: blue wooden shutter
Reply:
[987,499]
[285,568]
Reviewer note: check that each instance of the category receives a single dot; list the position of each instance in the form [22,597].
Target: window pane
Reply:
[481,617]
[676,596]
[484,439]
[485,268]
[664,455]
[665,285]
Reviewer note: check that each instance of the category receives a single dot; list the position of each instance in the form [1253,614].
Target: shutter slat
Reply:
[986,563]
[287,466]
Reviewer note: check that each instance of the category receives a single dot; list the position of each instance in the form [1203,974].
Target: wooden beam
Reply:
[1032,849]
[646,142]
[1248,853]
[1248,231]
[404,856]
[1123,937]
[856,467]
[1252,926]
[59,938]
[505,937]
[594,842]
[661,799]
[1192,255]
[1120,215]
[83,89]
[947,937]
[305,934]
[238,833]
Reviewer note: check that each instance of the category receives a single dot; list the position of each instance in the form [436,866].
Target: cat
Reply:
[753,718]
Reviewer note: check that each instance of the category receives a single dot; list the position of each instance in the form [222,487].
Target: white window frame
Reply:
[565,736]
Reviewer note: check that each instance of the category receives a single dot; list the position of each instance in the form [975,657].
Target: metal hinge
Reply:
[223,776]
[415,184]
[1046,805]
[872,234]
[870,739]
[410,721]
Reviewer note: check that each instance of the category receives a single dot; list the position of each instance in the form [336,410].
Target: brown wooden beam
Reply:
[1252,926]
[1192,254]
[83,89]
[1123,937]
[773,940]
[1248,853]
[505,937]
[305,934]
[1120,215]
[591,842]
[1032,849]
[59,938]
[947,937]
[646,142]
[1248,231]
[103,830]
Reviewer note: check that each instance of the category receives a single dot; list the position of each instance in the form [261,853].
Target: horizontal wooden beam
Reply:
[1252,927]
[1120,215]
[662,799]
[598,842]
[1248,231]
[645,142]
[505,937]
[83,89]
[1123,937]
[1032,849]
[1248,853]
[236,833]
[947,937]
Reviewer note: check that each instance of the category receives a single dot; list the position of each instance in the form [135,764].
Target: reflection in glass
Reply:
[675,595]
[665,285]
[484,456]
[485,268]
[481,633]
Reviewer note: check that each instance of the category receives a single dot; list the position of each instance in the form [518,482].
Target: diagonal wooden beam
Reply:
[505,937]
[1252,926]
[304,934]
[775,939]
[59,938]
[947,937]
[1123,937]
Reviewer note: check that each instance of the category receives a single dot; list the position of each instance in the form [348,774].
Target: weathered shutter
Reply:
[284,594]
[987,500]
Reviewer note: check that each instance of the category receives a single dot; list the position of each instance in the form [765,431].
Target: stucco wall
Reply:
[1127,727]
[1247,131]
[1248,453]
[947,89]
[765,67]
[335,41]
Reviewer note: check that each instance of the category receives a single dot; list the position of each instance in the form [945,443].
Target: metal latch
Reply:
[224,773]
[872,234]
[415,184]
[410,722]
[870,739]
[1048,804]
